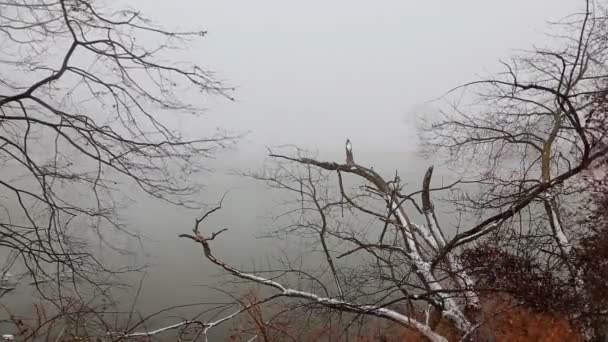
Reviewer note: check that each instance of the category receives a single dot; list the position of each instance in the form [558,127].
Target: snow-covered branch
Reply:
[420,262]
[334,303]
[205,326]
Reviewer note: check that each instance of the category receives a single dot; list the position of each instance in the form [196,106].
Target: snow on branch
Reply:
[204,325]
[421,263]
[337,304]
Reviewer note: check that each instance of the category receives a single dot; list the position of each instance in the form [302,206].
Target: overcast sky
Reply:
[314,72]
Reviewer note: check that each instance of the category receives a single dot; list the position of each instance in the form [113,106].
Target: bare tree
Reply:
[88,96]
[533,133]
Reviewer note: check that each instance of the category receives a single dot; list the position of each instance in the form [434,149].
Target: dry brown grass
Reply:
[504,319]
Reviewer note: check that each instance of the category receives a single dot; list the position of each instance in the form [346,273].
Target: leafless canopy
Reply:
[535,133]
[534,139]
[86,98]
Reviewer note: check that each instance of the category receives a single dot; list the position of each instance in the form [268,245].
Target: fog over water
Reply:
[311,74]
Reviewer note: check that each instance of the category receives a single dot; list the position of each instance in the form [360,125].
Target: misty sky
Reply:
[314,72]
